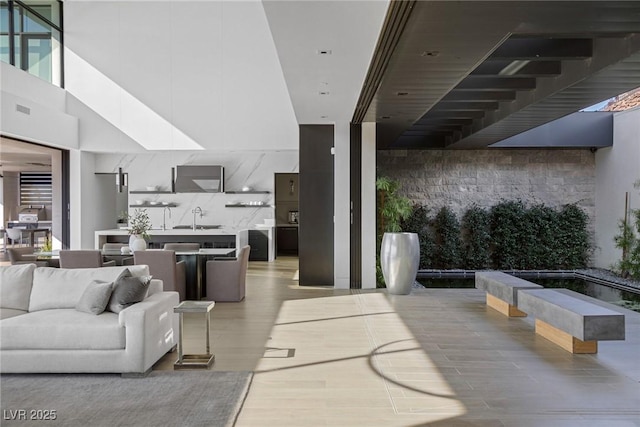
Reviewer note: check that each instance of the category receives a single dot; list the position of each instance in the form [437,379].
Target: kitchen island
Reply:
[223,237]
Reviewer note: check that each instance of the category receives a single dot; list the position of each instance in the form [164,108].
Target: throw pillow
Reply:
[95,297]
[128,290]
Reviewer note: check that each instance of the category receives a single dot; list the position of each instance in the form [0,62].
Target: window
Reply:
[35,188]
[31,37]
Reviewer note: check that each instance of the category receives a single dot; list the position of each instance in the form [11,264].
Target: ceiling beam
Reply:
[535,49]
[466,106]
[497,83]
[455,114]
[444,121]
[421,142]
[531,69]
[458,95]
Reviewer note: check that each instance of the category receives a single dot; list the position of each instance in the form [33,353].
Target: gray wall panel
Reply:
[316,205]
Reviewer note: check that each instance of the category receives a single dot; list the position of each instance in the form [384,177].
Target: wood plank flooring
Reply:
[439,357]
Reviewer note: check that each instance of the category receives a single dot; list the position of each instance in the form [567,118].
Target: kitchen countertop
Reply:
[174,232]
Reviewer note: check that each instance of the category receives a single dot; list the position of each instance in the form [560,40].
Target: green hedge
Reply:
[509,236]
[476,235]
[418,222]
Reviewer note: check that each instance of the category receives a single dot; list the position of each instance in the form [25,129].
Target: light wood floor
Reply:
[437,357]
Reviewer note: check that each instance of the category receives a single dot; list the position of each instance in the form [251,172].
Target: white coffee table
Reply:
[194,361]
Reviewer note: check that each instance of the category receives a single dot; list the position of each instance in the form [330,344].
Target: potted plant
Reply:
[139,225]
[399,252]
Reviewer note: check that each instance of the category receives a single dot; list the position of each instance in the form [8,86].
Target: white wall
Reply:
[84,199]
[617,168]
[369,197]
[188,75]
[45,121]
[342,206]
[242,168]
[2,200]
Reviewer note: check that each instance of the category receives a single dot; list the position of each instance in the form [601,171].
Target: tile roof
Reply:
[625,101]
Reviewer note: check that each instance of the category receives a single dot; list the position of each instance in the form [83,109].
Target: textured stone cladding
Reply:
[458,178]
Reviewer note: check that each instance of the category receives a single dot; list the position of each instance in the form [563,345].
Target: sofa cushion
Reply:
[95,297]
[15,286]
[62,329]
[63,287]
[6,313]
[128,290]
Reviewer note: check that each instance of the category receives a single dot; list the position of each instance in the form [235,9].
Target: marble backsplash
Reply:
[253,169]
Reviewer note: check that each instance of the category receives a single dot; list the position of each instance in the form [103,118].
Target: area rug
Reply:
[164,398]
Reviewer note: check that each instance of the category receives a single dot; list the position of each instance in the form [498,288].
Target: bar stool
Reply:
[14,234]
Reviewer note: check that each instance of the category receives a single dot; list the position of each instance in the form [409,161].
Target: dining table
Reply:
[195,263]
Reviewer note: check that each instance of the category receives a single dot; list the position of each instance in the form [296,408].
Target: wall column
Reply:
[342,203]
[368,200]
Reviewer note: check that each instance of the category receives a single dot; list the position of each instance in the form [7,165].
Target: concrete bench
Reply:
[570,320]
[502,291]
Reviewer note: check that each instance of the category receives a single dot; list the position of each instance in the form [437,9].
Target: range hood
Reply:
[199,179]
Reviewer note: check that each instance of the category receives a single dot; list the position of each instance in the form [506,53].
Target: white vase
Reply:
[399,259]
[137,243]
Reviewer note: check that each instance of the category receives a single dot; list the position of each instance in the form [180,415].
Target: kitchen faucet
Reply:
[164,221]
[195,211]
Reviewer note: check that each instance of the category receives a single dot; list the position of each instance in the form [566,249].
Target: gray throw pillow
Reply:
[95,297]
[128,290]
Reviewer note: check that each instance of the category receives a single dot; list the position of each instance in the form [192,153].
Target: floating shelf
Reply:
[159,205]
[246,205]
[150,192]
[249,192]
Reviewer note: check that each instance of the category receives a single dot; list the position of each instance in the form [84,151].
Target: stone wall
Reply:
[458,178]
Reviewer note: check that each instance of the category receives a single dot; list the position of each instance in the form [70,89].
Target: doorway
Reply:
[287,213]
[34,191]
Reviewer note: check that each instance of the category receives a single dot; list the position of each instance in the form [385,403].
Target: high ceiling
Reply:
[324,49]
[467,74]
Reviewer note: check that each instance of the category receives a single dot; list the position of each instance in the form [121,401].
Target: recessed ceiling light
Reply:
[323,51]
[430,53]
[324,117]
[402,93]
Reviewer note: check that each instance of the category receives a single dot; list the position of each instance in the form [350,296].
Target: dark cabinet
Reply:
[259,242]
[287,239]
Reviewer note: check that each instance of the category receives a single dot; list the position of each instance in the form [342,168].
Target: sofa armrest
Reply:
[155,286]
[151,329]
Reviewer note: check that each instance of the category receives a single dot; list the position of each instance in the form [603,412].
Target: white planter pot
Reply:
[399,259]
[137,243]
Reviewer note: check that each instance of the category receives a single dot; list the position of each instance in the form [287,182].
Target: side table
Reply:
[194,361]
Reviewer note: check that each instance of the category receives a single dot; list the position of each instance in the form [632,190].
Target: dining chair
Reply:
[114,247]
[181,247]
[226,277]
[163,265]
[110,252]
[24,256]
[83,259]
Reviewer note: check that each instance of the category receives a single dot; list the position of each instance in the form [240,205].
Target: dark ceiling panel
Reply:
[544,49]
[516,65]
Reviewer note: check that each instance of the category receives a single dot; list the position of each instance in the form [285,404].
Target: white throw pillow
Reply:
[95,297]
[15,286]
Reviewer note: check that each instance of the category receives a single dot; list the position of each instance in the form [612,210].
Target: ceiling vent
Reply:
[23,109]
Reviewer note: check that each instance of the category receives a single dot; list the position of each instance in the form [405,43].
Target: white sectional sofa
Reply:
[41,331]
